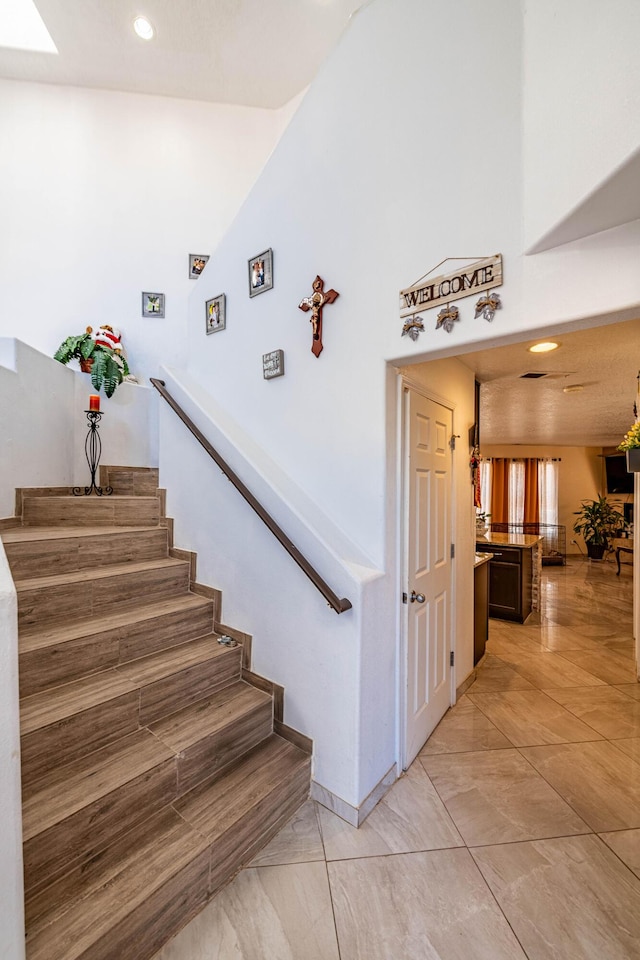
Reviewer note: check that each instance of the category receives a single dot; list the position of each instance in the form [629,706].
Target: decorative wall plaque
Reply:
[464,282]
[273,364]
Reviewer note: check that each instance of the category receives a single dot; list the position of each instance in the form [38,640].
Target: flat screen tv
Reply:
[618,480]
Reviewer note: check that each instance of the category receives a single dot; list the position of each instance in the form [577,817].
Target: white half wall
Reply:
[104,195]
[297,638]
[43,424]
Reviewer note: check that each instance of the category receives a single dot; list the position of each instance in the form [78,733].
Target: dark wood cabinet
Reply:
[510,577]
[480,610]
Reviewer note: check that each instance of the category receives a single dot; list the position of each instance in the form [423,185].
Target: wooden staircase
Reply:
[151,769]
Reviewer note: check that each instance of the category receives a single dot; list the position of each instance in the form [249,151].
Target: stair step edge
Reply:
[114,899]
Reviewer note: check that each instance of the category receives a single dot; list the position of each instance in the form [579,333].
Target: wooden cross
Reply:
[315,303]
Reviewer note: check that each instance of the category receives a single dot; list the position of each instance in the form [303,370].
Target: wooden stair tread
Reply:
[151,771]
[35,636]
[51,706]
[206,717]
[34,533]
[158,666]
[155,853]
[158,851]
[73,787]
[98,573]
[214,806]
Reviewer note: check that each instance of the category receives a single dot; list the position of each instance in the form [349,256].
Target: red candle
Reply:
[94,403]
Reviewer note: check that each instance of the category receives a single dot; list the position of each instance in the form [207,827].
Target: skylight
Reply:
[22,27]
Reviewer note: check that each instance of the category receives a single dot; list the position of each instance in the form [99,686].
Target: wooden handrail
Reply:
[339,605]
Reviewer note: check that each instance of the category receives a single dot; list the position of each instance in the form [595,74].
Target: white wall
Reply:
[371,203]
[11,900]
[581,102]
[406,150]
[43,423]
[36,425]
[104,195]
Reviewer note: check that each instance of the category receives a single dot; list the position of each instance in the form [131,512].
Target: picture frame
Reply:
[273,364]
[216,313]
[153,305]
[261,273]
[197,263]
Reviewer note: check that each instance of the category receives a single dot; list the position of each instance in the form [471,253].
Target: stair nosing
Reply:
[98,573]
[100,623]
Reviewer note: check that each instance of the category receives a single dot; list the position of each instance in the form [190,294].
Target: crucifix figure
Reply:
[315,303]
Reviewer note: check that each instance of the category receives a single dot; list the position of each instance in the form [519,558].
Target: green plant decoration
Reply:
[598,521]
[108,367]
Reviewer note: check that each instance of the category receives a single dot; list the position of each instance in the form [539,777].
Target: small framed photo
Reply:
[261,273]
[197,263]
[153,304]
[216,313]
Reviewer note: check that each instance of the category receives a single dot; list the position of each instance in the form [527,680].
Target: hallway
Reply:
[515,834]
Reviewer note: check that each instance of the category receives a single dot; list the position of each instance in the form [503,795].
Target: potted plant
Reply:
[631,445]
[99,354]
[597,523]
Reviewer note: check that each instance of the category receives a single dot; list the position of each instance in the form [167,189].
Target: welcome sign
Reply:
[465,282]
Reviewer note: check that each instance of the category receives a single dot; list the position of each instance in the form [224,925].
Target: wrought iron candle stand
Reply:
[93,451]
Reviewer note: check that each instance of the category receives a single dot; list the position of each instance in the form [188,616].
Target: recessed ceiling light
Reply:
[543,347]
[574,388]
[143,28]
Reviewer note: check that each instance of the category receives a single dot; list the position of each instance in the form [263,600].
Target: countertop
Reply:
[481,558]
[523,540]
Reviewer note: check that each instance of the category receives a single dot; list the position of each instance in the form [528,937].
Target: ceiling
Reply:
[249,52]
[604,360]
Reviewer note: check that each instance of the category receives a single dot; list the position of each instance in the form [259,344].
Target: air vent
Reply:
[532,376]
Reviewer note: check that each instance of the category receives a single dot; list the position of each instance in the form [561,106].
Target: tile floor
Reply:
[515,834]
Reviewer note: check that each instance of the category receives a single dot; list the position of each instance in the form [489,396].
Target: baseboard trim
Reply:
[354,815]
[464,686]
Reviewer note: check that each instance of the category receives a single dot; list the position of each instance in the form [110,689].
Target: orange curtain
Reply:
[499,491]
[531,498]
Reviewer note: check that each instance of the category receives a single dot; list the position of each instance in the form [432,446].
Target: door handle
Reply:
[417,597]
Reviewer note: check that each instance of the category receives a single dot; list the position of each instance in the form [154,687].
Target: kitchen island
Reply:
[514,574]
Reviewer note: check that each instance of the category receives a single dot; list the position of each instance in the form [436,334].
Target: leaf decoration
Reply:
[447,317]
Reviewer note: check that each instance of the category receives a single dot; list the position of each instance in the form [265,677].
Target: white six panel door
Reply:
[428,694]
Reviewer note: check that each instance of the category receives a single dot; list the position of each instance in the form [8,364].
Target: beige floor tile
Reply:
[421,906]
[464,728]
[299,841]
[498,796]
[630,689]
[608,710]
[494,676]
[625,648]
[626,844]
[607,665]
[280,913]
[568,899]
[529,717]
[546,669]
[600,782]
[630,747]
[554,637]
[410,817]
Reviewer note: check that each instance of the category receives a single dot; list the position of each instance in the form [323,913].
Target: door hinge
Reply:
[453,550]
[452,658]
[404,598]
